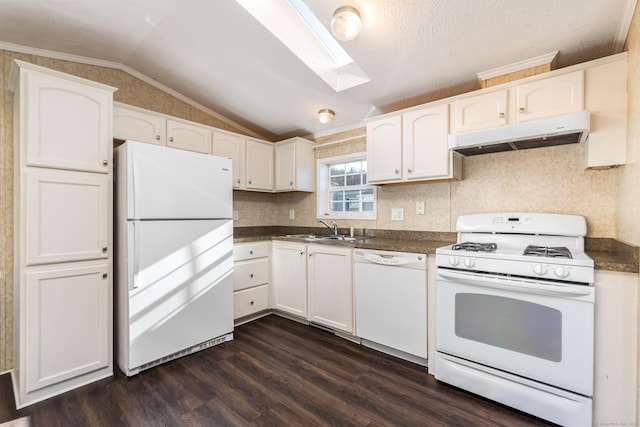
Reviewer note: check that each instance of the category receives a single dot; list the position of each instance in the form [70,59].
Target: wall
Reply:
[628,215]
[552,179]
[130,91]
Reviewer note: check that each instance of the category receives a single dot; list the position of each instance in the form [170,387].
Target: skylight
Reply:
[293,23]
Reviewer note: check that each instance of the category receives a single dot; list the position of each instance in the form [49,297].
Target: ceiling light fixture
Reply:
[326,116]
[346,23]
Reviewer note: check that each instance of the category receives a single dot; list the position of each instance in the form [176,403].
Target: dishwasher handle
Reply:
[386,259]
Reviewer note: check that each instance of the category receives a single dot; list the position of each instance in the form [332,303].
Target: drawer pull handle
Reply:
[171,139]
[521,109]
[501,115]
[157,137]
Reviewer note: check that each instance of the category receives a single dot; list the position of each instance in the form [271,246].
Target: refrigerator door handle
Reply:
[136,254]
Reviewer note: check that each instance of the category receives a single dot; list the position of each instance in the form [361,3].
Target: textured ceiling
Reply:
[215,53]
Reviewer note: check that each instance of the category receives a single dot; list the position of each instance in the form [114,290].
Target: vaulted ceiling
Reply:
[215,53]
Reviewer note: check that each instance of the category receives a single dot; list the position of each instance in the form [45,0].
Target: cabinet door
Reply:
[384,150]
[66,125]
[138,126]
[479,112]
[550,97]
[331,287]
[232,147]
[67,323]
[290,278]
[426,150]
[259,165]
[67,216]
[285,169]
[188,136]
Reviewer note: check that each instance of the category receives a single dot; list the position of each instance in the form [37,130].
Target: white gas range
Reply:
[514,313]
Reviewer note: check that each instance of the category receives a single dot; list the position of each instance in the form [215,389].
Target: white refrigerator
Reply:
[174,254]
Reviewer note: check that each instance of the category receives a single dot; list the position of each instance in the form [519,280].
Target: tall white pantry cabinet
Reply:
[63,231]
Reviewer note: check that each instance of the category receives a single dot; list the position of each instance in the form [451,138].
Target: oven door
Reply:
[539,330]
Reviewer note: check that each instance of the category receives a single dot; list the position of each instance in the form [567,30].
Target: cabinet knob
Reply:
[521,109]
[249,181]
[105,275]
[105,163]
[251,275]
[238,181]
[501,115]
[157,137]
[290,182]
[251,303]
[301,253]
[104,249]
[409,170]
[397,171]
[250,252]
[170,139]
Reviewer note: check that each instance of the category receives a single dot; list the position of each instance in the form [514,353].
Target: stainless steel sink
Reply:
[301,236]
[337,237]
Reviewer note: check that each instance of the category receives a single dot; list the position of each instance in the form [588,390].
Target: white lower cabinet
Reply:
[289,293]
[250,278]
[314,282]
[330,287]
[59,343]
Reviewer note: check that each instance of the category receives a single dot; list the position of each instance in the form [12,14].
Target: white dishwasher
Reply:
[391,302]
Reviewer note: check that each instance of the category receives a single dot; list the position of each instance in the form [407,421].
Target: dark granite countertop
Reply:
[607,254]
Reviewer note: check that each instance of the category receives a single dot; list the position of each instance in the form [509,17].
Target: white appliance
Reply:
[515,313]
[174,260]
[391,302]
[558,130]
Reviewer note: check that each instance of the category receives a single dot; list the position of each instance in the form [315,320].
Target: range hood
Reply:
[559,130]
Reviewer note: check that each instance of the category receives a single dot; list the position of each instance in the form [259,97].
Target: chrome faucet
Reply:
[333,227]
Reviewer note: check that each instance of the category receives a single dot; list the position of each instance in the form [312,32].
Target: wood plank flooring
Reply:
[275,372]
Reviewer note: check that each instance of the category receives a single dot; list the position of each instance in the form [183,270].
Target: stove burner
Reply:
[556,252]
[475,247]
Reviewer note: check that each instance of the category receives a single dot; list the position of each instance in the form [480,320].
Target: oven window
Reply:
[512,324]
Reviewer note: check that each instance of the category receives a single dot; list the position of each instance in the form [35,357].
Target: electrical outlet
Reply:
[419,208]
[235,215]
[292,214]
[397,214]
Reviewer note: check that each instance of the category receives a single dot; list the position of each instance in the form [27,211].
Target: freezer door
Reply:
[180,286]
[168,183]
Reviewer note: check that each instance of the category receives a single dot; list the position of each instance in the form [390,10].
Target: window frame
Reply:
[323,194]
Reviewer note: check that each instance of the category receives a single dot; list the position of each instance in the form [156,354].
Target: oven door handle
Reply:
[515,284]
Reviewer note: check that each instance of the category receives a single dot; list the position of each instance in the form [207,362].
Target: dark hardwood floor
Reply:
[275,372]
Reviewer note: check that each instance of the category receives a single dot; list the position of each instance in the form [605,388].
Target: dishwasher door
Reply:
[391,301]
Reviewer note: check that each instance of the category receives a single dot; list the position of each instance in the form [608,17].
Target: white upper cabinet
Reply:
[259,165]
[129,123]
[606,100]
[384,149]
[64,123]
[294,165]
[480,112]
[411,147]
[231,146]
[553,96]
[188,136]
[425,149]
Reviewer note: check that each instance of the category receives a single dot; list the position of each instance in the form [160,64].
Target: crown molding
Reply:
[547,58]
[625,24]
[138,75]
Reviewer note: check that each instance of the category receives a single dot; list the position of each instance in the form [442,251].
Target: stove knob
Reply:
[561,272]
[454,261]
[539,269]
[469,262]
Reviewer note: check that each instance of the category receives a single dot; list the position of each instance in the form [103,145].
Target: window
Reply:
[343,192]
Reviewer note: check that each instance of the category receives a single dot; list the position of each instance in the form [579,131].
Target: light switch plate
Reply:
[397,214]
[235,215]
[292,214]
[419,208]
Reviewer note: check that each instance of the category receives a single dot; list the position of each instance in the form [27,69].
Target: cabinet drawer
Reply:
[250,250]
[250,301]
[247,274]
